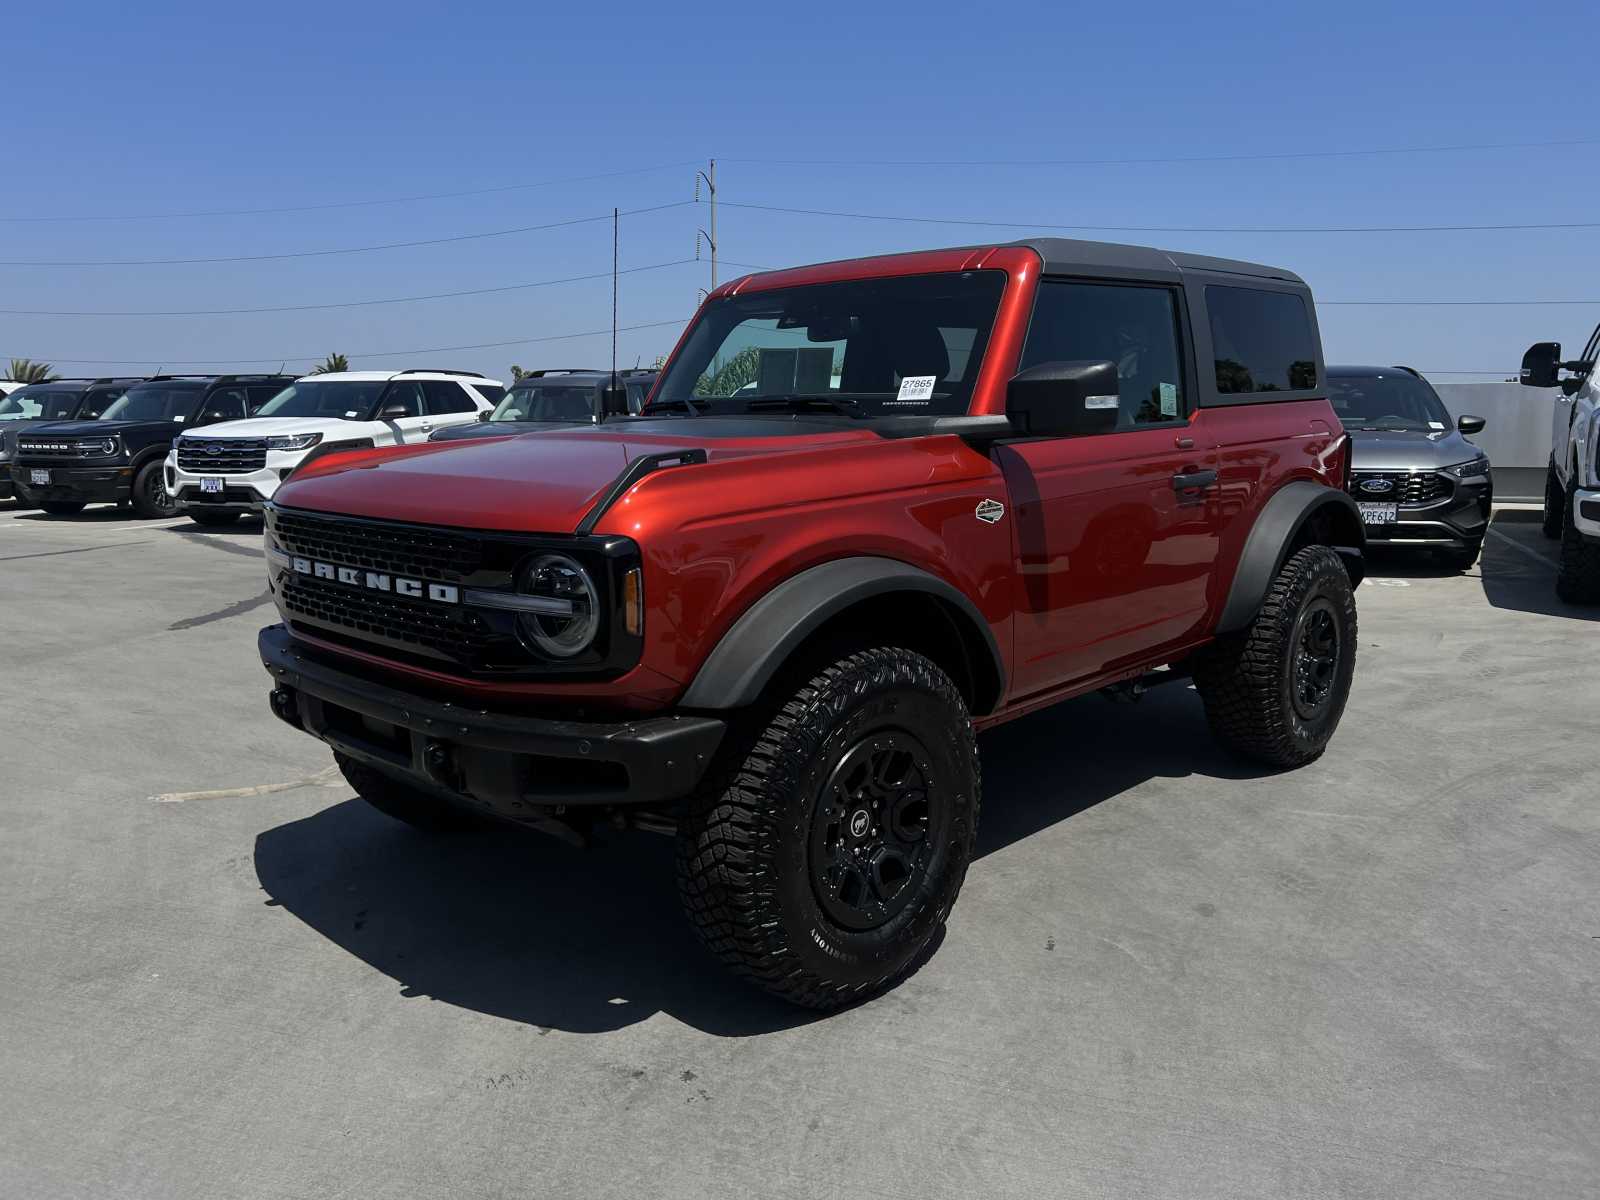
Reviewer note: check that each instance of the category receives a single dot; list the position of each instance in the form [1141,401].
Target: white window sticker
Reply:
[1169,399]
[916,387]
[1435,424]
[1100,402]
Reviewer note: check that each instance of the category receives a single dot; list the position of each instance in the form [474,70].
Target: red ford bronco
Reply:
[871,508]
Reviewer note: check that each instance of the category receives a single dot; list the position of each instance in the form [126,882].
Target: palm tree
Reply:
[334,362]
[516,372]
[25,370]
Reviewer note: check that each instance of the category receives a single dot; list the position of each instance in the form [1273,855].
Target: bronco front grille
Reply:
[222,456]
[1405,488]
[60,447]
[456,634]
[433,554]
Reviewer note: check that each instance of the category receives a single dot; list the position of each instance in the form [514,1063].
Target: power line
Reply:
[178,360]
[1128,162]
[294,208]
[463,237]
[820,212]
[229,312]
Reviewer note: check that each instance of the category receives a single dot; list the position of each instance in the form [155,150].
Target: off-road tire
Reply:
[62,508]
[394,799]
[1248,679]
[213,520]
[1554,497]
[750,872]
[150,497]
[1578,573]
[1462,560]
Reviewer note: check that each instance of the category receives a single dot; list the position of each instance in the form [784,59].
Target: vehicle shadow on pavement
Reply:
[1522,577]
[519,926]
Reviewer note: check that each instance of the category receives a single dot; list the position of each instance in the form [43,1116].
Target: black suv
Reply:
[1417,479]
[553,399]
[62,466]
[42,403]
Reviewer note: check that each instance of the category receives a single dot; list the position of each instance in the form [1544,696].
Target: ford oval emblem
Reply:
[1377,486]
[213,448]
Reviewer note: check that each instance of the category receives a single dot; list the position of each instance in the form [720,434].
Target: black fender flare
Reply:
[750,653]
[1276,530]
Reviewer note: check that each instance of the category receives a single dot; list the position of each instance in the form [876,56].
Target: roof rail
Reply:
[440,371]
[253,377]
[640,371]
[543,371]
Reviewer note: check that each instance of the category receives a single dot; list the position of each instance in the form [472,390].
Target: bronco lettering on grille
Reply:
[415,589]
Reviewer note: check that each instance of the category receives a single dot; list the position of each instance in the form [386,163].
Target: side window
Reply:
[1262,341]
[96,403]
[1135,327]
[403,399]
[491,392]
[260,395]
[637,392]
[225,404]
[445,397]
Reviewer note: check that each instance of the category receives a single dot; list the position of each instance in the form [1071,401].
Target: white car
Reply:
[217,473]
[1572,486]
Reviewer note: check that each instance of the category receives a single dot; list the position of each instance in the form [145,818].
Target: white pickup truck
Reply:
[1572,487]
[217,473]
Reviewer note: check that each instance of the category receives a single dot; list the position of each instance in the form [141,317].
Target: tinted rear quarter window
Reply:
[493,393]
[445,397]
[1262,340]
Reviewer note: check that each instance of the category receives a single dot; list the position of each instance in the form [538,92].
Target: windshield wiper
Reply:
[840,404]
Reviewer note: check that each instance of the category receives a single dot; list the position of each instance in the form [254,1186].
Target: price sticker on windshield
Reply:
[916,389]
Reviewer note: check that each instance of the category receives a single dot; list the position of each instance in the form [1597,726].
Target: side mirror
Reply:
[1064,399]
[1540,365]
[1470,424]
[484,416]
[393,412]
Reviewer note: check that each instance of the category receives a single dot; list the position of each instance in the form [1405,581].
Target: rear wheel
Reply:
[823,864]
[150,496]
[215,519]
[62,508]
[394,799]
[1275,691]
[1578,575]
[1554,497]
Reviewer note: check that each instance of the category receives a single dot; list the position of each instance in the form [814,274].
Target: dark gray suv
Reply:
[1416,478]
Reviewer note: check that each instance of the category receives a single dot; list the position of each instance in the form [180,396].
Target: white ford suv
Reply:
[1572,486]
[217,473]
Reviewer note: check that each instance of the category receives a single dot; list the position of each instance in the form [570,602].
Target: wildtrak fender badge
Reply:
[376,581]
[990,511]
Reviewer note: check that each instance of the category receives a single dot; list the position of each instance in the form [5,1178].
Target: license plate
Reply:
[38,477]
[211,487]
[1379,514]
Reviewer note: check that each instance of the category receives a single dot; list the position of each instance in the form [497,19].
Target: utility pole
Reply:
[709,177]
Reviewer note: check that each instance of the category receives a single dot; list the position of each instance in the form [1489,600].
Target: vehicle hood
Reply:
[483,429]
[68,429]
[534,482]
[1410,451]
[258,427]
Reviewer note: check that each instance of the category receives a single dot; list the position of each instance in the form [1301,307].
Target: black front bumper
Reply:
[512,766]
[1460,518]
[73,485]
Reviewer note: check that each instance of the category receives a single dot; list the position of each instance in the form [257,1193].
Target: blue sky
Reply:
[164,108]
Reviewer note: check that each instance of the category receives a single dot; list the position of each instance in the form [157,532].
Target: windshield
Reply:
[155,402]
[547,402]
[51,404]
[1388,400]
[874,347]
[349,400]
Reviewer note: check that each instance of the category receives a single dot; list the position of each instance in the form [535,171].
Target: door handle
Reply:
[1186,481]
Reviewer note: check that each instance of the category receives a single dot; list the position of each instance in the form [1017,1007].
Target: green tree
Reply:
[516,372]
[25,370]
[334,362]
[727,377]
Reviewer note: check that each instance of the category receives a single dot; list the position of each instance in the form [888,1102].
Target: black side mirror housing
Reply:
[1064,399]
[484,416]
[1467,423]
[393,412]
[1540,365]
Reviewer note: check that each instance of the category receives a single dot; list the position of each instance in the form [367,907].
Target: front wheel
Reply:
[62,508]
[824,863]
[1275,691]
[150,496]
[1578,574]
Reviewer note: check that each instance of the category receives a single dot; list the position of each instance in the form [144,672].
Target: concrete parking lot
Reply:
[1169,974]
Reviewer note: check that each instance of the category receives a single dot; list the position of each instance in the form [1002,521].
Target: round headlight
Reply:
[572,619]
[104,446]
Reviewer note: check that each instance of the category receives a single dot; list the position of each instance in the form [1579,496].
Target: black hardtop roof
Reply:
[208,381]
[81,382]
[1067,256]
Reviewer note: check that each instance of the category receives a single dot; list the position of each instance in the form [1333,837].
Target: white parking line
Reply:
[329,776]
[1521,549]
